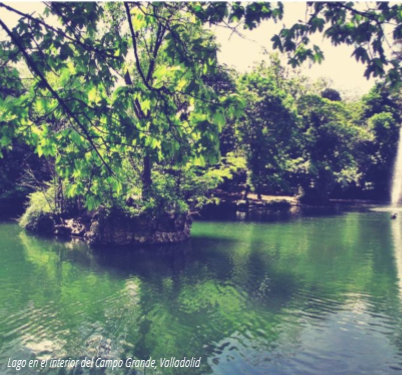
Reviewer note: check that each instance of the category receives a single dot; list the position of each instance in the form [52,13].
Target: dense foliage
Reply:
[269,129]
[118,126]
[300,139]
[127,106]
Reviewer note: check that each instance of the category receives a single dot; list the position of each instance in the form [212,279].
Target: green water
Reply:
[313,295]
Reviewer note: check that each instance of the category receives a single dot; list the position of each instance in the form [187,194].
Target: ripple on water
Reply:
[273,302]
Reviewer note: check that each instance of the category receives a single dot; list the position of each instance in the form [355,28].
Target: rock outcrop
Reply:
[117,228]
[71,227]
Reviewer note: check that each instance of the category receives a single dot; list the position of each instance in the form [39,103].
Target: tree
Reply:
[331,94]
[268,129]
[366,29]
[223,82]
[381,116]
[330,141]
[96,113]
[17,156]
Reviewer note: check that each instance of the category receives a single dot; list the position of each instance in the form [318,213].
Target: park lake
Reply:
[310,293]
[188,197]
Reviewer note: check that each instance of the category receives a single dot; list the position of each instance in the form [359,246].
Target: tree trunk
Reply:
[146,178]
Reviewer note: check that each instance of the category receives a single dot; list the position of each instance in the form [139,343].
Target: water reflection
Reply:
[396,226]
[310,296]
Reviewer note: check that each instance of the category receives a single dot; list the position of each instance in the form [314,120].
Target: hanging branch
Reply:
[59,32]
[35,70]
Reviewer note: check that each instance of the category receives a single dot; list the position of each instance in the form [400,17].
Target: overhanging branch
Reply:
[35,70]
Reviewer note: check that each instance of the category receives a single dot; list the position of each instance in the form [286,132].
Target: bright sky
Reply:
[339,65]
[241,53]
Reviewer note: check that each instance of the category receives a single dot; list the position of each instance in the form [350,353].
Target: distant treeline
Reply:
[301,138]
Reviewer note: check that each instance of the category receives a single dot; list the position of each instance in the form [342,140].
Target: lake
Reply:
[312,294]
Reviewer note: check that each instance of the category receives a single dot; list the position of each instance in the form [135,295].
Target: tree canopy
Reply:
[122,97]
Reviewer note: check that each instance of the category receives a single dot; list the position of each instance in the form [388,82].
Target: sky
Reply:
[241,52]
[339,66]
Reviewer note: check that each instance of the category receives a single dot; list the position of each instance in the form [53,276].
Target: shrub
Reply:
[38,217]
